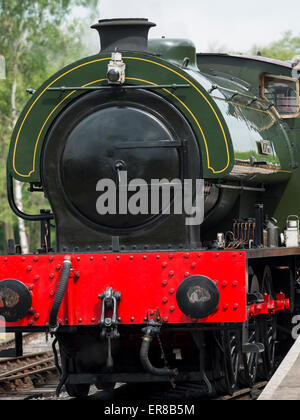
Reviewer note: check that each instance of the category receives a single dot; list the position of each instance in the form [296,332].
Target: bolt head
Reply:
[224,284]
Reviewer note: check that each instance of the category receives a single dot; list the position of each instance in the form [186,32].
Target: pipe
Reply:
[12,203]
[65,274]
[144,355]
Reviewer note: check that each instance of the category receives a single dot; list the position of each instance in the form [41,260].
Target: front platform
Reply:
[285,384]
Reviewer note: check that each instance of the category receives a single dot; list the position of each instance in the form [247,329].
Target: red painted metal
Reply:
[269,306]
[147,282]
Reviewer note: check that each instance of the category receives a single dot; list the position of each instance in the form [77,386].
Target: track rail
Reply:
[25,372]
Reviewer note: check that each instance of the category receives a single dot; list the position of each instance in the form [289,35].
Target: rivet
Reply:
[193,266]
[35,258]
[80,320]
[157,257]
[29,268]
[164,264]
[36,316]
[36,277]
[225,307]
[171,256]
[58,267]
[224,284]
[132,319]
[144,257]
[164,283]
[23,259]
[166,319]
[119,319]
[187,255]
[118,258]
[104,258]
[145,318]
[31,310]
[30,286]
[171,273]
[30,322]
[78,259]
[92,258]
[165,300]
[50,259]
[235,283]
[172,308]
[51,276]
[217,255]
[234,255]
[186,274]
[5,259]
[52,293]
[151,313]
[93,319]
[236,306]
[172,291]
[199,255]
[131,257]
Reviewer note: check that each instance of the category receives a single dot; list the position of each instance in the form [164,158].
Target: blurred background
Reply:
[38,37]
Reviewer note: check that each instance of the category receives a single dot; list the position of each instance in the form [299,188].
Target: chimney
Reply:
[123,34]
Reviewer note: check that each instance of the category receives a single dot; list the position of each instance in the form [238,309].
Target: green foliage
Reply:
[284,49]
[37,38]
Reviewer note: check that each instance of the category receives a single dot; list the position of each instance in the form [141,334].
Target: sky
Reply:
[231,25]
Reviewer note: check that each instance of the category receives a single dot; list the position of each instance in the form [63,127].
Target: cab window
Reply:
[284,93]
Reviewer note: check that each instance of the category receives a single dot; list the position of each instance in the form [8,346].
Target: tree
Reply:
[36,40]
[284,49]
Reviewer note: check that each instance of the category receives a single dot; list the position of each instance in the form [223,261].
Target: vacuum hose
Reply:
[65,274]
[144,355]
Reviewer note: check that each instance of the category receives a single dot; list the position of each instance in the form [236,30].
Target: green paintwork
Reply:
[194,102]
[229,129]
[243,74]
[175,51]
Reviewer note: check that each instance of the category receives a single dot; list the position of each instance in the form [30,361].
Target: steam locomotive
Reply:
[146,296]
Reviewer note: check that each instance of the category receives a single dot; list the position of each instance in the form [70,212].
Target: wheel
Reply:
[70,365]
[228,360]
[232,351]
[267,330]
[249,371]
[78,390]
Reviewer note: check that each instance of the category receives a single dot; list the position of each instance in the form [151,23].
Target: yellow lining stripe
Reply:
[32,105]
[128,58]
